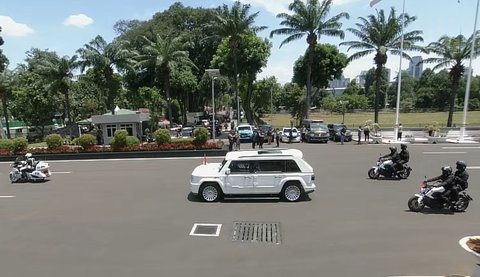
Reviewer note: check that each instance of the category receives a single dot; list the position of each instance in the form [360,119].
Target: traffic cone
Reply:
[205,159]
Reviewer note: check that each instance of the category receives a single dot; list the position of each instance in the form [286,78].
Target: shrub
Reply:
[119,138]
[20,144]
[200,135]
[85,141]
[6,144]
[54,141]
[132,141]
[162,136]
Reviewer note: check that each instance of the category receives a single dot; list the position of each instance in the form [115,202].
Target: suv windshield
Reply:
[243,128]
[316,126]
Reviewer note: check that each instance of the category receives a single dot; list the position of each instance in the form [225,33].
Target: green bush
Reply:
[86,141]
[54,141]
[6,144]
[120,138]
[200,135]
[20,144]
[132,141]
[162,136]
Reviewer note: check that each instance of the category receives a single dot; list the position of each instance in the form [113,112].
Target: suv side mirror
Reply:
[227,171]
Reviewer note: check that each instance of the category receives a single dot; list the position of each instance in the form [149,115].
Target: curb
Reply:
[125,155]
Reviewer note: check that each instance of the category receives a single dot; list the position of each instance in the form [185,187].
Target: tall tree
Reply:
[164,55]
[309,19]
[58,72]
[379,35]
[452,52]
[6,79]
[105,58]
[252,56]
[232,24]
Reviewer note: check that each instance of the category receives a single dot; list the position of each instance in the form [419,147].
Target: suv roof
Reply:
[279,152]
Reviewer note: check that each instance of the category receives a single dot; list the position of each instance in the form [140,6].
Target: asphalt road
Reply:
[133,218]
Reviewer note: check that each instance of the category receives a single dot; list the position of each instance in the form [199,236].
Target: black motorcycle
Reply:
[420,200]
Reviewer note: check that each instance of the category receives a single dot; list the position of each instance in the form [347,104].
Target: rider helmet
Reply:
[403,146]
[446,170]
[393,149]
[461,165]
[28,155]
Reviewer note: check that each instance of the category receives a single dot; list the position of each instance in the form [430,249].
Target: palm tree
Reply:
[163,55]
[380,35]
[309,20]
[452,51]
[106,58]
[232,24]
[59,72]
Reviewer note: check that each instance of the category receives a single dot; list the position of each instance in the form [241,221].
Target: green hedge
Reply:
[86,141]
[132,141]
[119,138]
[53,141]
[20,144]
[200,135]
[6,144]
[162,136]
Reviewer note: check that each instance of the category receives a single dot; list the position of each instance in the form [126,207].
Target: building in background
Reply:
[415,67]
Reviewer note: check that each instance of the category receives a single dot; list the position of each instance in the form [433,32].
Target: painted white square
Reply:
[196,225]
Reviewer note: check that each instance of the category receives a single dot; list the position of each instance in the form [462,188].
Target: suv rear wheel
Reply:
[292,192]
[210,192]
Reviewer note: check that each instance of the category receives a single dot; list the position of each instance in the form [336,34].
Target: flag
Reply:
[373,2]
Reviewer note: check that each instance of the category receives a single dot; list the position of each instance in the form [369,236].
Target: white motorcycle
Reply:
[29,170]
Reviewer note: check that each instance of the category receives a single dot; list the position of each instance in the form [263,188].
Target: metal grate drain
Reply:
[256,232]
[206,230]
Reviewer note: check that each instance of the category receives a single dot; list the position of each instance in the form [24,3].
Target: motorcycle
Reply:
[420,200]
[23,171]
[385,167]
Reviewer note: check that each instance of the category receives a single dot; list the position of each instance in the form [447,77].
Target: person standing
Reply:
[400,130]
[277,137]
[366,132]
[231,140]
[343,132]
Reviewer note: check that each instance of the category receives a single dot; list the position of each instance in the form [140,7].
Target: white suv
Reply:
[281,172]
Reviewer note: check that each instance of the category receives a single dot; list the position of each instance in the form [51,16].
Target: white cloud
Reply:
[12,28]
[78,20]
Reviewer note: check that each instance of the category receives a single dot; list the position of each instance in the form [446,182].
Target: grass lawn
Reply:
[40,144]
[386,119]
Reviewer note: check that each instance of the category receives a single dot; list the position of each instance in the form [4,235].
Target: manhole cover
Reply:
[257,232]
[206,230]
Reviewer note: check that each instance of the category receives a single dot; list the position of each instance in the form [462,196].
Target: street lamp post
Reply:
[213,73]
[469,79]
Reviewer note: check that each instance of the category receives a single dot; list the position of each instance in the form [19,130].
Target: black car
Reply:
[335,129]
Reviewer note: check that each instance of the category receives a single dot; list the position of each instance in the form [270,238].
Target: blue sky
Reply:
[65,26]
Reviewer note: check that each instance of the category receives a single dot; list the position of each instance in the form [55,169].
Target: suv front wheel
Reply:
[210,192]
[291,192]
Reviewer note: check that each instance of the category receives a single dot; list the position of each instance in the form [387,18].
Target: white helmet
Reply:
[28,155]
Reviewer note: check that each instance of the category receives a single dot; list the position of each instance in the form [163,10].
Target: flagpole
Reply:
[469,79]
[399,80]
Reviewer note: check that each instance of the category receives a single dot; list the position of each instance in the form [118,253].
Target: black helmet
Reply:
[403,146]
[393,149]
[461,165]
[446,170]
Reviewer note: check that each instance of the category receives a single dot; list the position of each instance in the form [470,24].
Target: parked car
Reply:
[245,132]
[296,136]
[335,129]
[317,132]
[279,172]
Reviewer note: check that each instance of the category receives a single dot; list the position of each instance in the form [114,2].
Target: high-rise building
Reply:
[415,67]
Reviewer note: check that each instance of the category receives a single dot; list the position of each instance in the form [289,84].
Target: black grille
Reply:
[257,232]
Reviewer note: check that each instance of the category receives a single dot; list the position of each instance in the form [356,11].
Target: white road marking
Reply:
[217,233]
[442,153]
[7,196]
[61,172]
[461,147]
[473,167]
[129,159]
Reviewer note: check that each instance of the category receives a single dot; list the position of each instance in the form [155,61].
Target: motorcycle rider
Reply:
[404,156]
[394,157]
[461,181]
[447,181]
